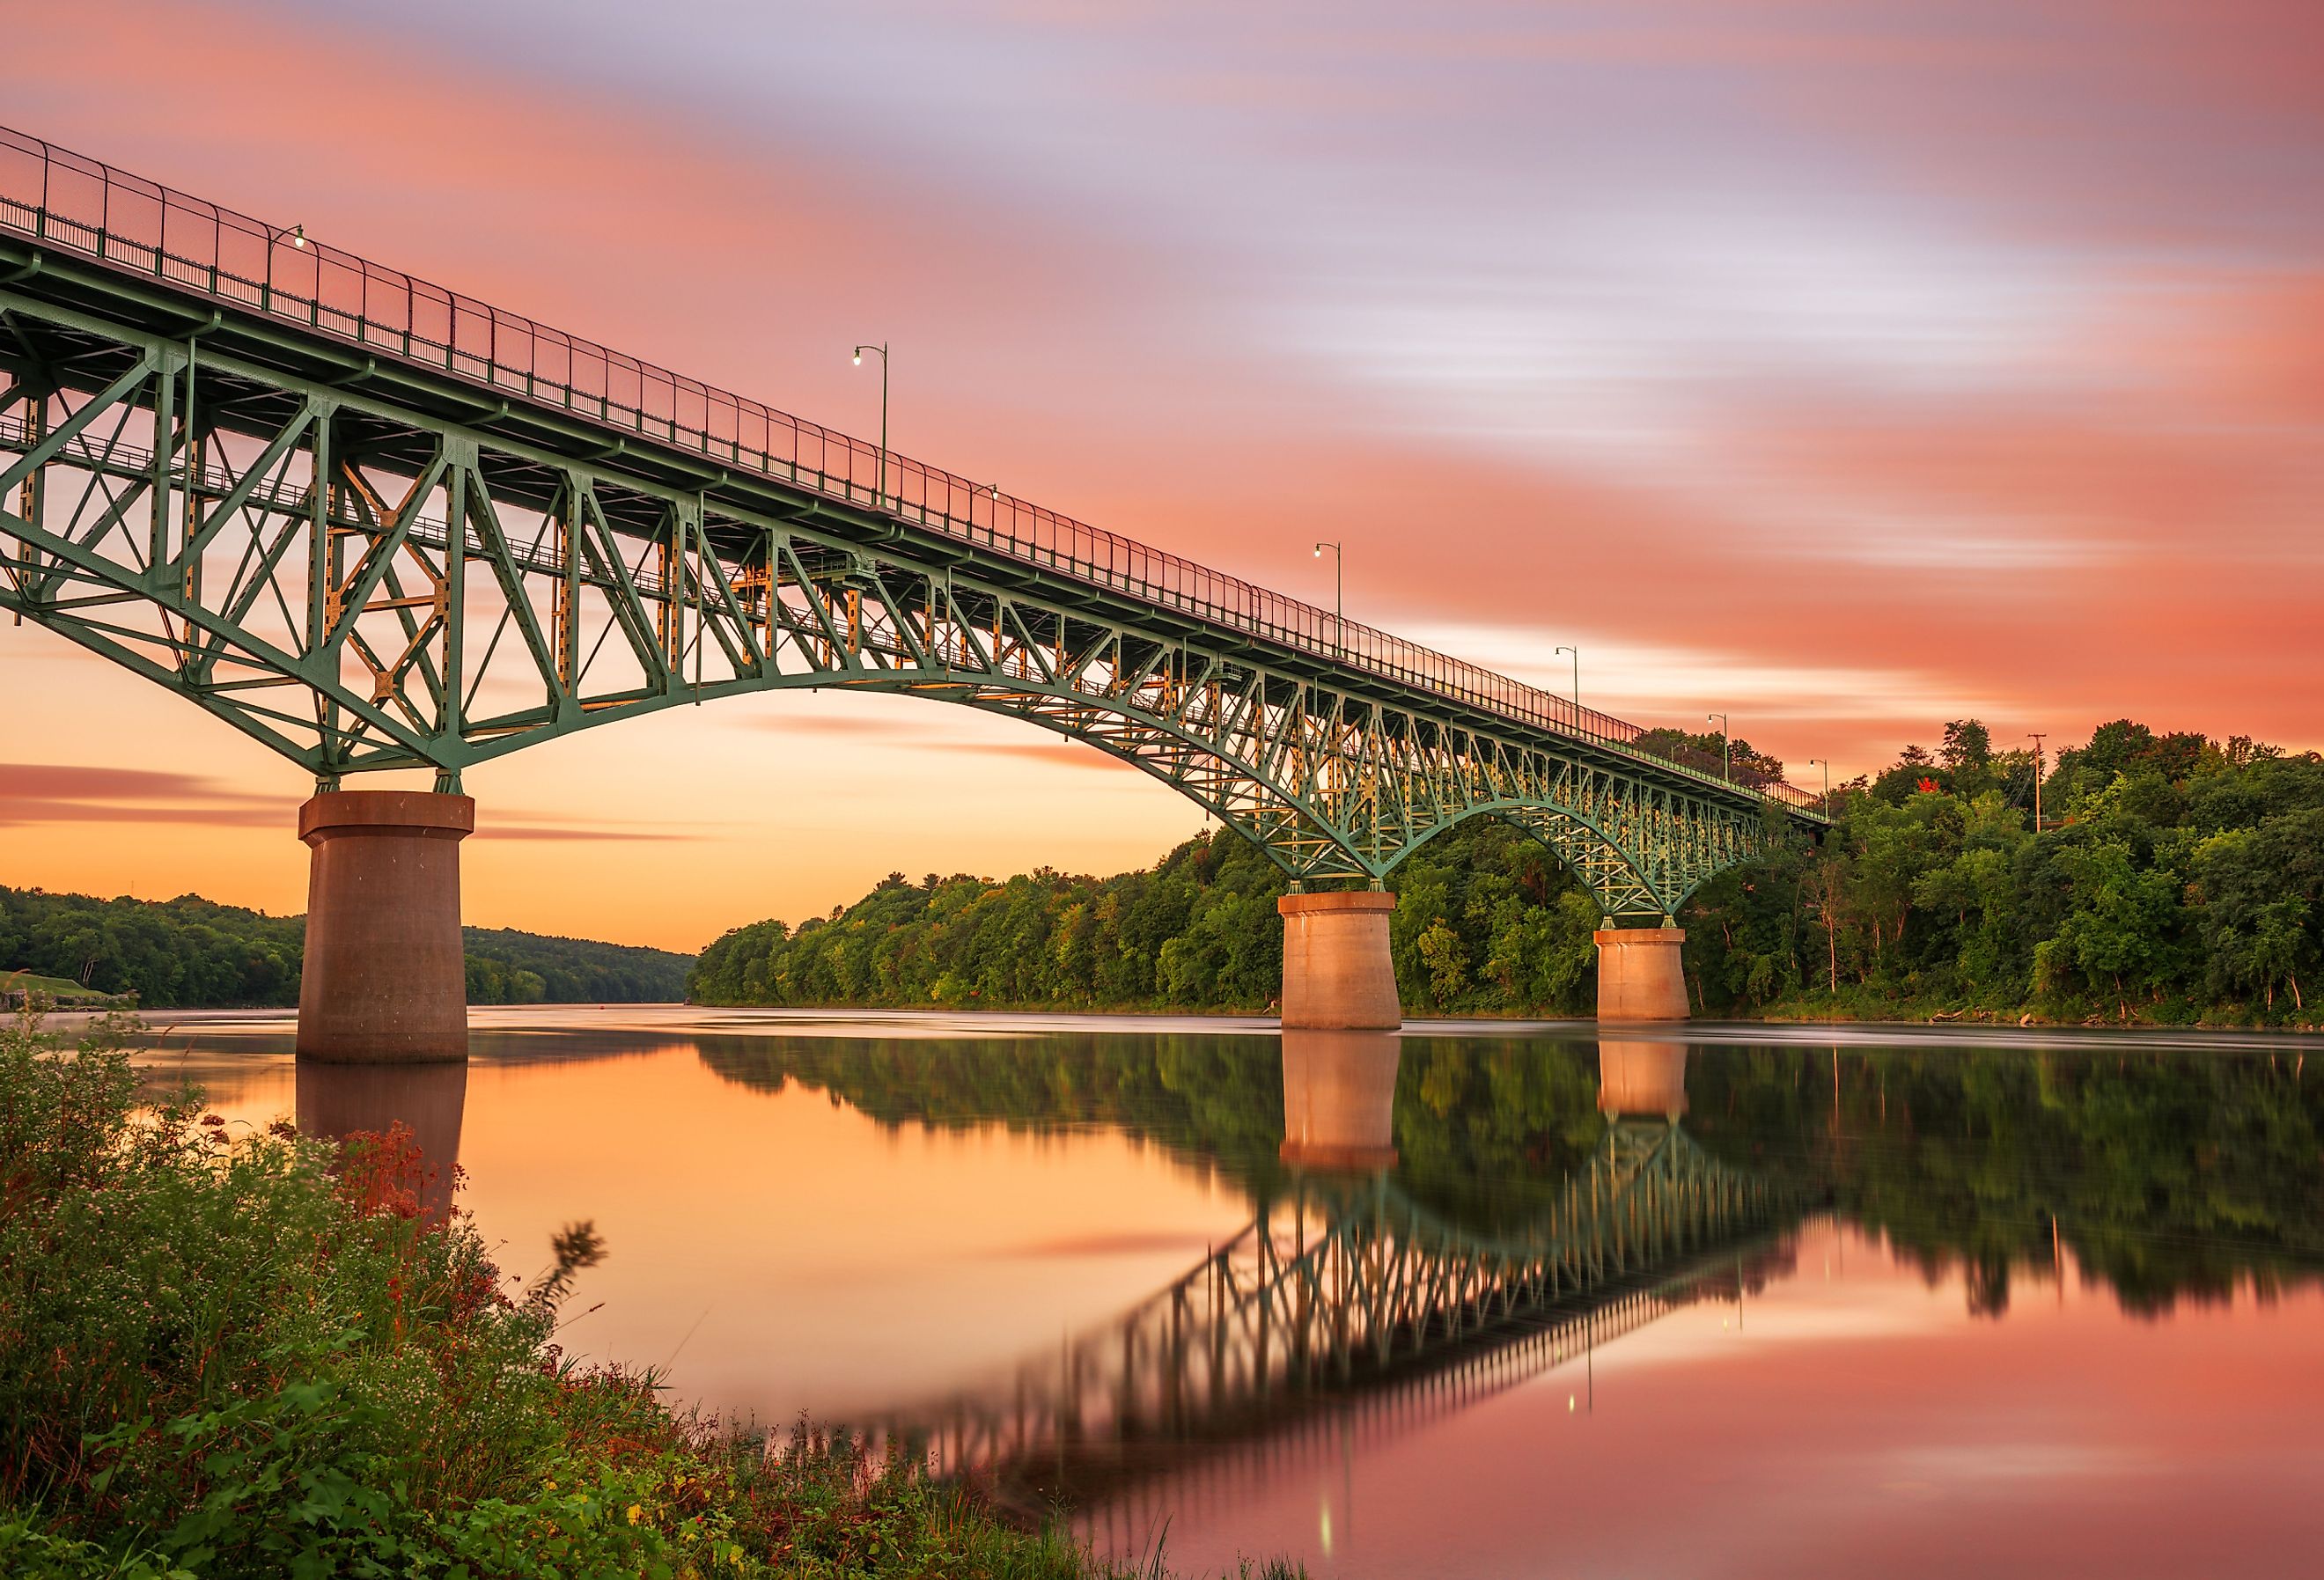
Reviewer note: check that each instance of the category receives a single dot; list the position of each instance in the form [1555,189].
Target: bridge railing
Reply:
[69,200]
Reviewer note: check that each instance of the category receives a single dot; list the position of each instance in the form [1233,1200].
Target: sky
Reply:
[1845,368]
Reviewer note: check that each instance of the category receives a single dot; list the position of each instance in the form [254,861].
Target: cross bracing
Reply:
[373,535]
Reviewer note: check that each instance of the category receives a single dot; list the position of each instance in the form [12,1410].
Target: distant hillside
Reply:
[187,953]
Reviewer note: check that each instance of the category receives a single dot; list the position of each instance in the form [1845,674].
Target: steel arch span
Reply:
[375,525]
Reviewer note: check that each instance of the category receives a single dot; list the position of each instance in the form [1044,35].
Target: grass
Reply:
[58,989]
[1874,1005]
[227,1353]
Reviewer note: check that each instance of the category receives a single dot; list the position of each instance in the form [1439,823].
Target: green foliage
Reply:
[189,953]
[231,1355]
[2176,878]
[1486,923]
[506,967]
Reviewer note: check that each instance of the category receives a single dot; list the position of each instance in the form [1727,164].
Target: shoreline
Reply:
[839,1021]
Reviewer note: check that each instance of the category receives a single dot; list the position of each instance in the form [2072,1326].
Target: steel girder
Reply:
[364,584]
[1346,1284]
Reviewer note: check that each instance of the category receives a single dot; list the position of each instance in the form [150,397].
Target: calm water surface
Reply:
[1516,1303]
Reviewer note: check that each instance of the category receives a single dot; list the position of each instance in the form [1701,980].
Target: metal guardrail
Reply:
[69,200]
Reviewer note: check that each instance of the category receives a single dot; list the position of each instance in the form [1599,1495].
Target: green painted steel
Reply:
[377,525]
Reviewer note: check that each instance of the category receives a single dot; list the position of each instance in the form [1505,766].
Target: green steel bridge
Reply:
[376,525]
[1346,1302]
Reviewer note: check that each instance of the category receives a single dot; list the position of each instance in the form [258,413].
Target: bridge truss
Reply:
[1341,1287]
[425,534]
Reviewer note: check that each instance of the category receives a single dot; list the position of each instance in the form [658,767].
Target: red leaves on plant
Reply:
[383,1173]
[1928,787]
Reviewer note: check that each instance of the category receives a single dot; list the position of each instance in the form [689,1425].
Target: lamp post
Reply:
[1725,770]
[2037,737]
[1577,683]
[882,349]
[297,235]
[1826,765]
[1339,597]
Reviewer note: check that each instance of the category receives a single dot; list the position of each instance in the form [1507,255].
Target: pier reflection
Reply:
[338,1100]
[1639,1078]
[1339,1100]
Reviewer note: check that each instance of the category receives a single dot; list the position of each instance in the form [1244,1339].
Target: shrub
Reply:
[235,1353]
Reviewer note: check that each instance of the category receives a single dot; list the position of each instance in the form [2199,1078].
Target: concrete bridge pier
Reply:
[384,980]
[1338,975]
[1639,976]
[1339,1100]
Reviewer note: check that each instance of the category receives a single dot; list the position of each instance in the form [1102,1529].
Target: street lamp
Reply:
[1825,764]
[297,235]
[1577,683]
[882,349]
[1339,597]
[1725,770]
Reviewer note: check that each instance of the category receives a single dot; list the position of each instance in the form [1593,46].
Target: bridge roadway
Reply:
[376,525]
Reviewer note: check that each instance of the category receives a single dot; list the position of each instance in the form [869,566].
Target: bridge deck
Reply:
[273,291]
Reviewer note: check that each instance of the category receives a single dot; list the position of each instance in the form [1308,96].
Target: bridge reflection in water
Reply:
[1347,1309]
[1349,1306]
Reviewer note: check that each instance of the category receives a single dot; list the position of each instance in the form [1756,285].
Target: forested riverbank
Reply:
[189,953]
[2175,880]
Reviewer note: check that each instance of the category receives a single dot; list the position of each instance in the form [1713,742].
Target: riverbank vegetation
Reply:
[226,1354]
[2174,878]
[188,953]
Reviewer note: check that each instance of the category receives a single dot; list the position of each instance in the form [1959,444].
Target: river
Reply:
[1475,1301]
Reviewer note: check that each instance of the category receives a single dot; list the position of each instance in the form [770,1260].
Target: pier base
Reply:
[384,979]
[1339,1100]
[1337,973]
[1639,977]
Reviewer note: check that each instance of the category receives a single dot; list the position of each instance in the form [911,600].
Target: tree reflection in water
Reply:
[2168,1173]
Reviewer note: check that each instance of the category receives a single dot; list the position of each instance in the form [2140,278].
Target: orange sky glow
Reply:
[1846,368]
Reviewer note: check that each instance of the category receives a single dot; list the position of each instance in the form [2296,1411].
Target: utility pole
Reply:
[2037,737]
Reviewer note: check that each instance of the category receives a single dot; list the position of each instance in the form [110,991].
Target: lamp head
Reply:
[298,235]
[858,359]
